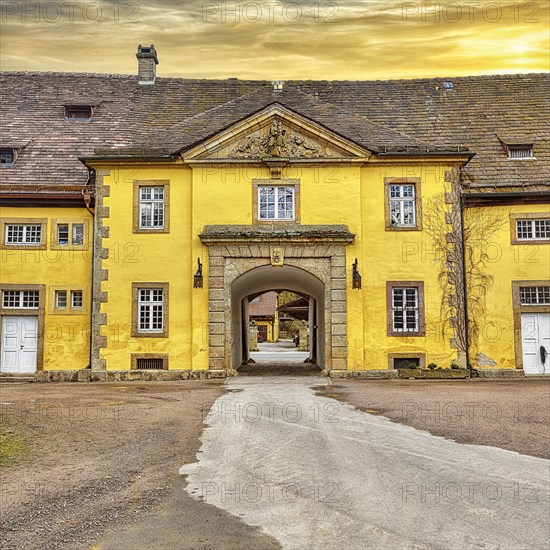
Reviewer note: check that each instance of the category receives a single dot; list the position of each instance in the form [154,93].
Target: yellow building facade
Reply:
[146,269]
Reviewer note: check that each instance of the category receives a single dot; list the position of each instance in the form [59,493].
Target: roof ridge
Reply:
[295,81]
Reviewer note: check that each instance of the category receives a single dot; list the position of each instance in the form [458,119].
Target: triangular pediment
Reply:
[275,133]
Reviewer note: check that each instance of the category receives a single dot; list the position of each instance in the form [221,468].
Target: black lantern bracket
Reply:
[198,279]
[356,276]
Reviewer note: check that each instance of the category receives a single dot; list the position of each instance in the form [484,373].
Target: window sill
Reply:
[407,334]
[403,228]
[138,334]
[152,230]
[9,246]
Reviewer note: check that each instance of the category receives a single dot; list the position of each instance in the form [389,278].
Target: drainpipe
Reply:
[87,200]
[465,288]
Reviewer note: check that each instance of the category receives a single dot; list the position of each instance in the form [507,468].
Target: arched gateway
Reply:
[285,277]
[245,261]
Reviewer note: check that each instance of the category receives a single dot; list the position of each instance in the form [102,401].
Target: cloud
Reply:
[278,39]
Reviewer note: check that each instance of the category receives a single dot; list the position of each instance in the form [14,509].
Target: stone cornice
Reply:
[223,234]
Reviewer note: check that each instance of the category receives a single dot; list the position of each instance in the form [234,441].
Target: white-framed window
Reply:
[151,207]
[534,295]
[530,230]
[20,299]
[276,202]
[60,299]
[150,309]
[78,234]
[23,234]
[520,151]
[76,299]
[402,205]
[405,310]
[63,234]
[70,233]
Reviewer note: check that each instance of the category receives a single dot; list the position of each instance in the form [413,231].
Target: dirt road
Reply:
[100,457]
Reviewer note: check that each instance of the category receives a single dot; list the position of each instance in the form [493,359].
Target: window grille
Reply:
[402,206]
[23,234]
[151,309]
[149,363]
[60,299]
[78,112]
[151,207]
[533,229]
[276,203]
[20,299]
[63,234]
[520,151]
[406,362]
[76,299]
[405,310]
[534,295]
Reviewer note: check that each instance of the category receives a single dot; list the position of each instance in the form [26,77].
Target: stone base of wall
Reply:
[436,374]
[87,375]
[364,374]
[500,373]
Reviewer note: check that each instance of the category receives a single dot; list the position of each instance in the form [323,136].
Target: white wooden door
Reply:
[19,344]
[535,332]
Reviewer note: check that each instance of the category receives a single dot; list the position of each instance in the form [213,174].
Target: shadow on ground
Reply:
[280,368]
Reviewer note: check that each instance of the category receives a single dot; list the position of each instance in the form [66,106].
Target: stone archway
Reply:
[315,258]
[265,278]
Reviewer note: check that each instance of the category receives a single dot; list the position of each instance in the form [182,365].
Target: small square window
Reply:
[276,203]
[60,299]
[76,299]
[7,155]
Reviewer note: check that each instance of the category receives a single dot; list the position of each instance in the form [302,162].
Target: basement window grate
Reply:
[149,363]
[406,363]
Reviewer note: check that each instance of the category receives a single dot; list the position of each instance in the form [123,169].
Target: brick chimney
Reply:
[147,64]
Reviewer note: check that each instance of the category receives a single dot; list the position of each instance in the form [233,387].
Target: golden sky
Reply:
[345,39]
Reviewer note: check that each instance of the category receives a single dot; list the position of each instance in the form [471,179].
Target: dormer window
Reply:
[79,112]
[520,151]
[7,156]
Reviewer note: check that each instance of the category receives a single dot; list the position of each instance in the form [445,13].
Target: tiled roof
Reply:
[477,113]
[265,306]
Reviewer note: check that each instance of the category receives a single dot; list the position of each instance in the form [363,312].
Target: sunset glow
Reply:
[368,39]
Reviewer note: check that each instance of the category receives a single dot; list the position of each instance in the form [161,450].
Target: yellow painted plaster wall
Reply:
[339,194]
[157,257]
[506,262]
[66,333]
[396,256]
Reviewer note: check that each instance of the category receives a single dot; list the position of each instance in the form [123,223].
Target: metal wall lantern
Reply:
[198,278]
[356,276]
